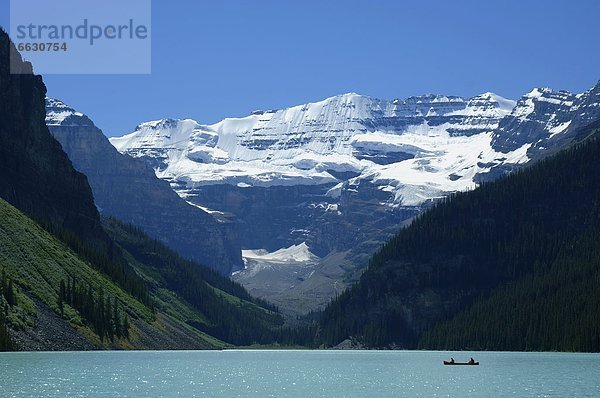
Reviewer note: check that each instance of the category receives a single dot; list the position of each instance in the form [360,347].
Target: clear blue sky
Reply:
[214,59]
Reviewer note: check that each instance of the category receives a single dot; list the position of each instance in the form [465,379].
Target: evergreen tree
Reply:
[7,288]
[6,343]
[99,311]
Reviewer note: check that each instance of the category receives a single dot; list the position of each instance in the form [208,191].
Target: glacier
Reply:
[419,148]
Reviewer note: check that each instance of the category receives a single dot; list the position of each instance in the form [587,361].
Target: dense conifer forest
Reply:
[103,313]
[543,311]
[108,260]
[5,342]
[39,273]
[512,265]
[232,315]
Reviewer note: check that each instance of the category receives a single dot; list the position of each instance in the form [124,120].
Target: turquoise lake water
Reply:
[297,374]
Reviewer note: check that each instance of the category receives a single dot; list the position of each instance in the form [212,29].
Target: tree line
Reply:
[110,262]
[105,315]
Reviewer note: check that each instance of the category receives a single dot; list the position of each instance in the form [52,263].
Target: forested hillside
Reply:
[524,249]
[66,284]
[547,311]
[38,178]
[51,297]
[226,310]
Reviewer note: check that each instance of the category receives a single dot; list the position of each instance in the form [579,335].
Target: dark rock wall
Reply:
[127,189]
[36,176]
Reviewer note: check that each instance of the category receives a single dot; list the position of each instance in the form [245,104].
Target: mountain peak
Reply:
[60,114]
[432,98]
[165,123]
[490,96]
[538,92]
[535,92]
[503,105]
[351,94]
[527,103]
[594,90]
[346,98]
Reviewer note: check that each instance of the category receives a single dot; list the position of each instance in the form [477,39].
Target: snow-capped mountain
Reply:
[545,117]
[345,173]
[418,148]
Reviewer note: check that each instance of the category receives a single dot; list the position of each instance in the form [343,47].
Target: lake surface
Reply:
[248,373]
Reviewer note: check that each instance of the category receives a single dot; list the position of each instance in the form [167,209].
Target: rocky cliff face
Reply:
[36,176]
[127,189]
[547,119]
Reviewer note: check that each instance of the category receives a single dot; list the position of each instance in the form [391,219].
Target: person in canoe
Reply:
[451,362]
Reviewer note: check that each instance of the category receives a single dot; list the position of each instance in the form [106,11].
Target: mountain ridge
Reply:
[127,189]
[300,140]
